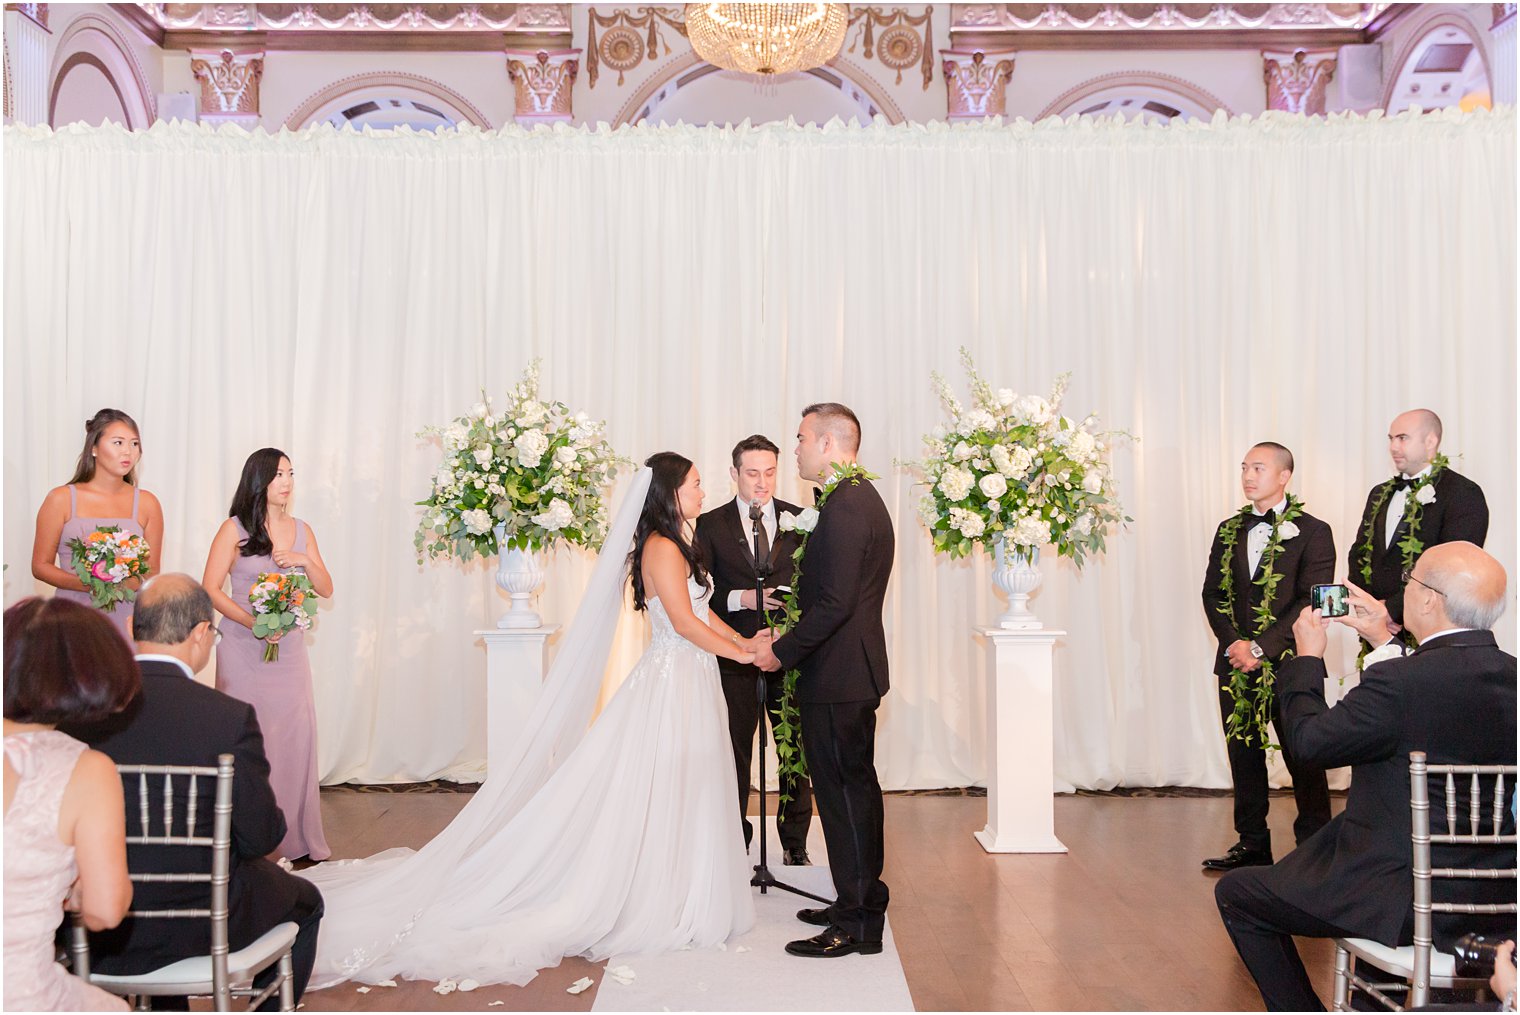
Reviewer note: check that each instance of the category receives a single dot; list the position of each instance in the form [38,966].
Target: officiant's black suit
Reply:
[176,721]
[841,649]
[1308,559]
[728,548]
[1459,513]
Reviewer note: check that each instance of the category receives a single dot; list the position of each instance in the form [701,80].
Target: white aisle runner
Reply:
[755,973]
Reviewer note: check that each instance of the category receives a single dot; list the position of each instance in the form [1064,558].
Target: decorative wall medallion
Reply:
[622,49]
[627,49]
[900,44]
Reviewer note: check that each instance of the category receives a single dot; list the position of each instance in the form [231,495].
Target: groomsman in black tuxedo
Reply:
[726,536]
[840,647]
[1426,503]
[1306,558]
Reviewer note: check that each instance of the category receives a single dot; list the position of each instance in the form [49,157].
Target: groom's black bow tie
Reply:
[817,495]
[1266,519]
[1402,482]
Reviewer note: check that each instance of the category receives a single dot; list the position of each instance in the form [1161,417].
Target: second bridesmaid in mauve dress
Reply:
[280,691]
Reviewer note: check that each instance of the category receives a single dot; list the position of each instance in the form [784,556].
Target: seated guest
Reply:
[65,839]
[176,721]
[1454,699]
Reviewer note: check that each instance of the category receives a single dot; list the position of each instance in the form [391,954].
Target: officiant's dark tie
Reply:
[762,543]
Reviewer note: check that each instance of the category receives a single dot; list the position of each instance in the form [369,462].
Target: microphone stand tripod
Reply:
[763,878]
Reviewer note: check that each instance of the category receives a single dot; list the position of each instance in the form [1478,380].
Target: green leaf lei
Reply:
[1251,693]
[791,763]
[1410,547]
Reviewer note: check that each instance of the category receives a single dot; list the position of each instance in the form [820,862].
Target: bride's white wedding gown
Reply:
[629,844]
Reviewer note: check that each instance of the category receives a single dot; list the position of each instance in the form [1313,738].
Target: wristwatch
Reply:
[1256,652]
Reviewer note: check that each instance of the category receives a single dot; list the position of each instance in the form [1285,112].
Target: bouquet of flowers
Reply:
[523,478]
[281,602]
[105,559]
[1013,468]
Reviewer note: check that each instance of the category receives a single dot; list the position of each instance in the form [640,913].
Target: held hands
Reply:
[1309,633]
[1239,654]
[1368,617]
[764,657]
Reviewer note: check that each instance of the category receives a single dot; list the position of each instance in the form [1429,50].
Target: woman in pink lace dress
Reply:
[65,828]
[104,491]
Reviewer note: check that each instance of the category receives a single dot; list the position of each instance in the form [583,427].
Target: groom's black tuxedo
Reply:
[840,647]
[1458,513]
[1306,560]
[725,537]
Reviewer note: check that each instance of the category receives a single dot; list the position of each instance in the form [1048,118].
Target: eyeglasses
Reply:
[1408,577]
[216,636]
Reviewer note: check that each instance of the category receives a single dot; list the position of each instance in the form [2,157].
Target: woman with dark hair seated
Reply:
[65,827]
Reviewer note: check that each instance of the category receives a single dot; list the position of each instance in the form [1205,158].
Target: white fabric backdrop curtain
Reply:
[1210,285]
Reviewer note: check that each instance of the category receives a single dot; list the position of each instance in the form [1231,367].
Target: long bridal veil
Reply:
[373,904]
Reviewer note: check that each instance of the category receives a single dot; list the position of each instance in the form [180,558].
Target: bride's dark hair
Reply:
[662,517]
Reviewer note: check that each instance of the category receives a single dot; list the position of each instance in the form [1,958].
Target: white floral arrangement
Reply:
[1013,468]
[535,469]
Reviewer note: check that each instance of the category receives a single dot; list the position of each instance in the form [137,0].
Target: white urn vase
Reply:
[520,574]
[1016,570]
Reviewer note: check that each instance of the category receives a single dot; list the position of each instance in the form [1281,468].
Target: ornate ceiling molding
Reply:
[340,26]
[1165,26]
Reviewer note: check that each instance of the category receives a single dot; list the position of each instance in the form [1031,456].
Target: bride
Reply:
[613,840]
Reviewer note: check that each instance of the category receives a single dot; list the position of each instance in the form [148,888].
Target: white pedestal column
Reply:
[514,677]
[1020,741]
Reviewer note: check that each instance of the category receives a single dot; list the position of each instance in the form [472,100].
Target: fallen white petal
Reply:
[284,864]
[445,987]
[742,948]
[579,986]
[493,1004]
[362,990]
[386,983]
[468,985]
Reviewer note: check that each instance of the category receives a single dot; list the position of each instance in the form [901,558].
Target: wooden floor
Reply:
[1125,921]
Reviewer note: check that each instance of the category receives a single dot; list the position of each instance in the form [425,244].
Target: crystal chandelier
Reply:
[766,38]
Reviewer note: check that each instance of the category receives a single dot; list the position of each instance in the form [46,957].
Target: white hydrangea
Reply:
[557,517]
[531,413]
[1034,409]
[1029,531]
[956,483]
[444,478]
[1083,526]
[928,513]
[977,419]
[483,457]
[993,486]
[455,436]
[963,451]
[1013,463]
[531,445]
[1084,447]
[971,524]
[477,522]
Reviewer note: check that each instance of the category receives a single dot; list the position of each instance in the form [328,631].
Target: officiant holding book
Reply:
[727,538]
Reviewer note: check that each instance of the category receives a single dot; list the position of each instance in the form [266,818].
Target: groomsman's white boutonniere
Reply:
[1287,530]
[803,522]
[1426,495]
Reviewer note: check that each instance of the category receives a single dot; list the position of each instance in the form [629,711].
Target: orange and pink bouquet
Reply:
[105,559]
[281,602]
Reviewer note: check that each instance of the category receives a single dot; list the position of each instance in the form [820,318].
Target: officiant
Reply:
[727,538]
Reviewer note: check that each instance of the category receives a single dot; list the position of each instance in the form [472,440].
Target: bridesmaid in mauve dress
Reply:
[262,535]
[103,492]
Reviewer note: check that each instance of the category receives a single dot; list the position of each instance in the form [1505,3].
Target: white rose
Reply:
[1006,397]
[1426,494]
[1084,524]
[565,455]
[479,410]
[787,522]
[1092,482]
[972,525]
[993,486]
[1035,409]
[807,520]
[956,483]
[477,522]
[444,478]
[1287,530]
[483,457]
[455,436]
[977,419]
[1020,461]
[1030,531]
[963,451]
[1084,446]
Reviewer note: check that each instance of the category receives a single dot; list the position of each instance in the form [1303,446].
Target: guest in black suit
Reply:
[1306,559]
[726,538]
[1457,512]
[177,721]
[840,647]
[1454,699]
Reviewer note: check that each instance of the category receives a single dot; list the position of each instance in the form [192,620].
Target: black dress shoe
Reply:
[1240,855]
[816,917]
[831,944]
[796,857]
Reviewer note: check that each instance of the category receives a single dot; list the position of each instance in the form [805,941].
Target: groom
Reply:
[841,650]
